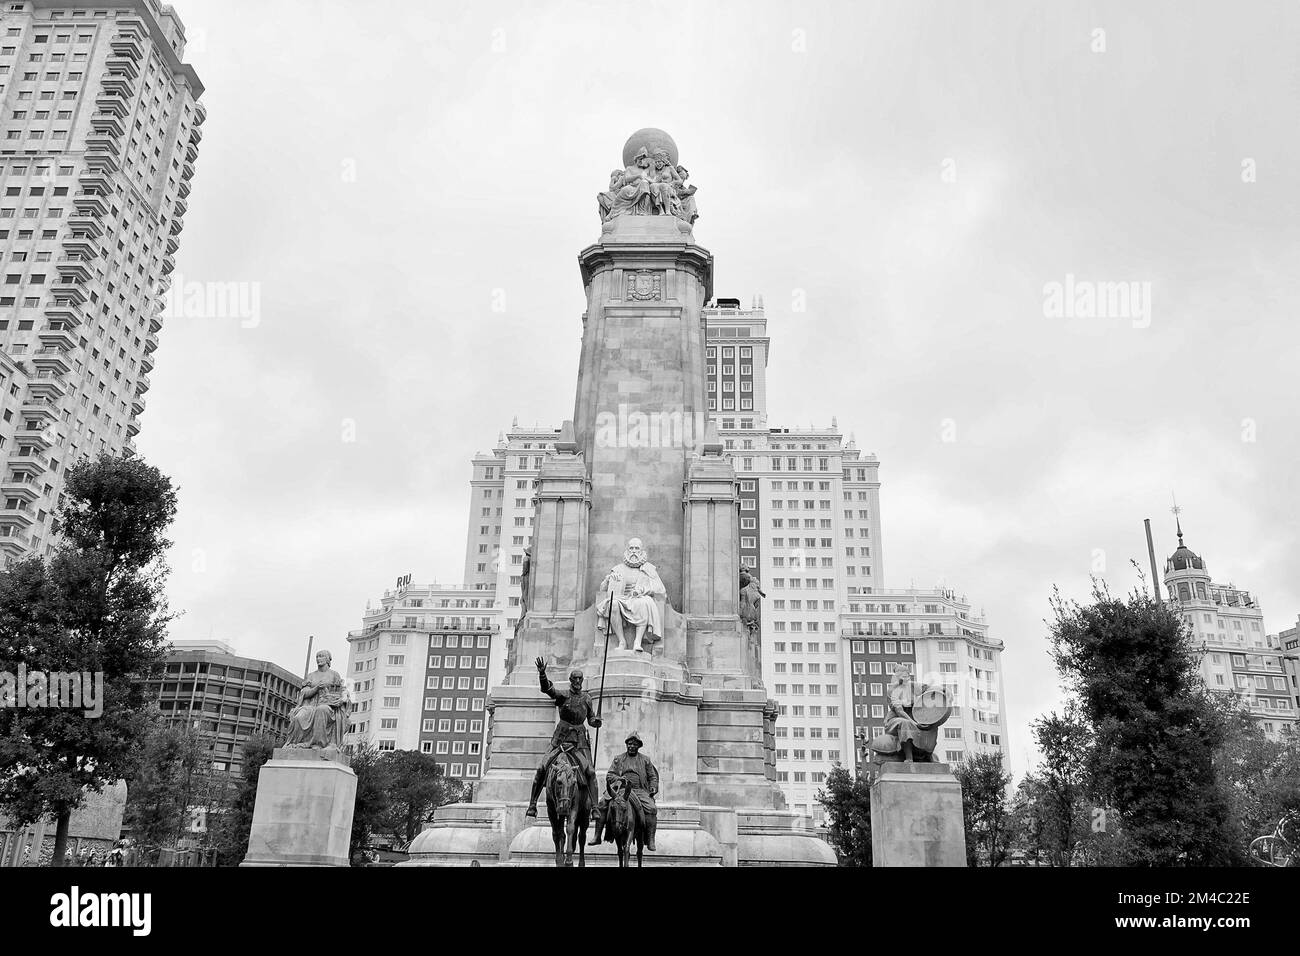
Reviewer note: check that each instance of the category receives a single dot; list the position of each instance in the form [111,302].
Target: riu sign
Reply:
[404,581]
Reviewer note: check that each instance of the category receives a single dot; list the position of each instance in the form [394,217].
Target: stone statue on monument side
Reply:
[686,195]
[916,713]
[576,711]
[750,595]
[642,780]
[525,579]
[324,709]
[632,588]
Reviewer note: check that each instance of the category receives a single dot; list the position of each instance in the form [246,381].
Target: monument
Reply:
[916,809]
[307,791]
[639,474]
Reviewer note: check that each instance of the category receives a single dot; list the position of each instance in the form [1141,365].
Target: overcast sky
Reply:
[380,174]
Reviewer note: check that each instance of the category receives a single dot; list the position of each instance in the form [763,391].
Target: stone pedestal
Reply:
[916,816]
[303,813]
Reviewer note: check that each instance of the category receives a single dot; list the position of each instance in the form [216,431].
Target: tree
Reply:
[372,797]
[1065,742]
[96,608]
[416,787]
[1155,729]
[231,829]
[985,809]
[1260,777]
[158,791]
[847,799]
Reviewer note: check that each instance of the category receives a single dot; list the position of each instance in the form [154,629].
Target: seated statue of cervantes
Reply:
[628,599]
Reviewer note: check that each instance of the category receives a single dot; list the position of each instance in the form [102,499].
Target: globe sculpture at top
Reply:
[649,139]
[651,183]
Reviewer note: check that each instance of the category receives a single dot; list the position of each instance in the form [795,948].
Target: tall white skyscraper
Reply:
[99,131]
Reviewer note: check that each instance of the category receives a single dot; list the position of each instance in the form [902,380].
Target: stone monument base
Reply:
[303,813]
[916,816]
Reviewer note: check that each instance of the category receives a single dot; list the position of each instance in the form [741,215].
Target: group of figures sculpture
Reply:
[651,185]
[626,815]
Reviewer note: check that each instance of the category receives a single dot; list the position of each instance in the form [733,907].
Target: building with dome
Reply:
[1237,655]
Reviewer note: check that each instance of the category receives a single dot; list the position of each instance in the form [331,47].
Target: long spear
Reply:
[600,703]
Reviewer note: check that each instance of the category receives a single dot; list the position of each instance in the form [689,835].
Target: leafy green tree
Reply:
[1155,729]
[416,787]
[986,810]
[96,607]
[847,800]
[1260,777]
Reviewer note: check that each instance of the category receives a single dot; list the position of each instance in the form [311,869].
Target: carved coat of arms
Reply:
[645,285]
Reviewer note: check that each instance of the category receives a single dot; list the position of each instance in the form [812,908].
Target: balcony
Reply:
[33,407]
[128,24]
[132,428]
[66,311]
[196,134]
[101,141]
[151,343]
[180,207]
[142,385]
[56,336]
[22,516]
[173,243]
[14,543]
[81,245]
[176,225]
[127,44]
[90,203]
[103,160]
[168,265]
[107,122]
[86,224]
[119,84]
[21,487]
[47,385]
[187,169]
[75,266]
[183,189]
[192,151]
[200,114]
[108,103]
[39,438]
[117,63]
[147,362]
[93,181]
[52,360]
[155,323]
[70,292]
[137,406]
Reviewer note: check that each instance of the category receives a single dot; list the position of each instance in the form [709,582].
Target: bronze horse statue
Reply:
[624,822]
[567,806]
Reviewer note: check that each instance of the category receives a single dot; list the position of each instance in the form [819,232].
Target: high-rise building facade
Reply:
[100,124]
[1289,642]
[1237,655]
[420,668]
[228,698]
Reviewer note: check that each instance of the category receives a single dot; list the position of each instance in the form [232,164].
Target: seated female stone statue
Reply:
[324,710]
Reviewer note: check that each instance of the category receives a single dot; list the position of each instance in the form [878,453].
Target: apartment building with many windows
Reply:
[100,123]
[420,668]
[1237,655]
